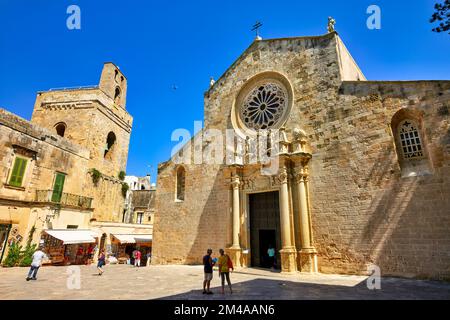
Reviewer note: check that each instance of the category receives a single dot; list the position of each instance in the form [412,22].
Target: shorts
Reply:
[208,276]
[100,263]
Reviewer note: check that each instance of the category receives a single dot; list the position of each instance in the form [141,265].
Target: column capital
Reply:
[301,159]
[283,175]
[301,174]
[235,181]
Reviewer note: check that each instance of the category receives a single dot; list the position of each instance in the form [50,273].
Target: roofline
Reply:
[324,36]
[394,81]
[93,87]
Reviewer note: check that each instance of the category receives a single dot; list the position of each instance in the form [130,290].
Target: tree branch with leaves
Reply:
[442,15]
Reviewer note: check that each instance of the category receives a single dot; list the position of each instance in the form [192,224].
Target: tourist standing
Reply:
[271,254]
[225,264]
[90,254]
[137,258]
[208,265]
[79,255]
[149,258]
[38,256]
[101,262]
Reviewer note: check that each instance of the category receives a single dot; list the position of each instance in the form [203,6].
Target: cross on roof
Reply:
[256,28]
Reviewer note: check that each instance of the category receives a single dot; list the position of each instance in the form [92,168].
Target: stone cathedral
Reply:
[363,177]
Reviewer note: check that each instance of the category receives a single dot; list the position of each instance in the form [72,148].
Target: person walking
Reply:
[137,258]
[225,264]
[208,265]
[101,262]
[38,256]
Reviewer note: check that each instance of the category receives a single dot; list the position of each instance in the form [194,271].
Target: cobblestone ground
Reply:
[184,282]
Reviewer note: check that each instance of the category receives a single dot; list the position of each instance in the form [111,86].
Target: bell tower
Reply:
[94,118]
[114,84]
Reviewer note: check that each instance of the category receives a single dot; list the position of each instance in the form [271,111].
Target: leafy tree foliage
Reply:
[442,15]
[13,257]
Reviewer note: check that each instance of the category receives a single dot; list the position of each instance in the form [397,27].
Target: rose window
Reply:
[264,106]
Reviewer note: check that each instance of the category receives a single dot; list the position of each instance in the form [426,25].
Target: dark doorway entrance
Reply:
[264,228]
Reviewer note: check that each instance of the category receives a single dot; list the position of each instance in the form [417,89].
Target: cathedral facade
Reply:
[362,168]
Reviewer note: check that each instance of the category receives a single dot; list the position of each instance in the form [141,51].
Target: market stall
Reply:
[65,247]
[124,244]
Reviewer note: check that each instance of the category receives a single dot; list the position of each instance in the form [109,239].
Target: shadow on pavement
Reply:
[269,289]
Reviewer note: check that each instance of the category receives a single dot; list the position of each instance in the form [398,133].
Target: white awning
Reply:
[143,237]
[125,238]
[133,238]
[73,236]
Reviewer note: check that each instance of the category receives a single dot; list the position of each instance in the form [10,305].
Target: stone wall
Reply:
[183,231]
[47,154]
[363,210]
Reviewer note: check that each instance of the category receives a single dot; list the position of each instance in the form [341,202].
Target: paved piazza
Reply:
[184,282]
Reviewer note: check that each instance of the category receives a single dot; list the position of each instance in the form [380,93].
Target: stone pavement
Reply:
[185,282]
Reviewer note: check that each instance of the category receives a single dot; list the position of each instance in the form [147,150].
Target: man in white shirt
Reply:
[38,256]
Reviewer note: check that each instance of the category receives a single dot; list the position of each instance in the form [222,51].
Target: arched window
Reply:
[117,95]
[60,129]
[110,142]
[411,146]
[181,183]
[411,142]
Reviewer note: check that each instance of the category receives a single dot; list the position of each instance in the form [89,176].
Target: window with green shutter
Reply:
[58,187]
[18,172]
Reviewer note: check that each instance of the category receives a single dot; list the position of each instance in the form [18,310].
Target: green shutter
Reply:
[58,187]
[18,172]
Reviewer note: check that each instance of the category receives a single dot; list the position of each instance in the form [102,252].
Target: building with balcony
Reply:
[60,173]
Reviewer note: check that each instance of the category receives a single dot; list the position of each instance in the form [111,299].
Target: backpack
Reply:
[230,263]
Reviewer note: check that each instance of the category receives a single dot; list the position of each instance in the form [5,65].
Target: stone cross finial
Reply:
[331,23]
[256,28]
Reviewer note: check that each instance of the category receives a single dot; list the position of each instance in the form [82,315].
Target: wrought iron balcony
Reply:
[50,196]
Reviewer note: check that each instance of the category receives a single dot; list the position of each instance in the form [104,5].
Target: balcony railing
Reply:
[64,199]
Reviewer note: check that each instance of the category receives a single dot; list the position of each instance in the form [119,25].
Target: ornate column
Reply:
[235,183]
[235,250]
[308,254]
[288,252]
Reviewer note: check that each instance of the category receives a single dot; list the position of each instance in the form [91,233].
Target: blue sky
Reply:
[158,44]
